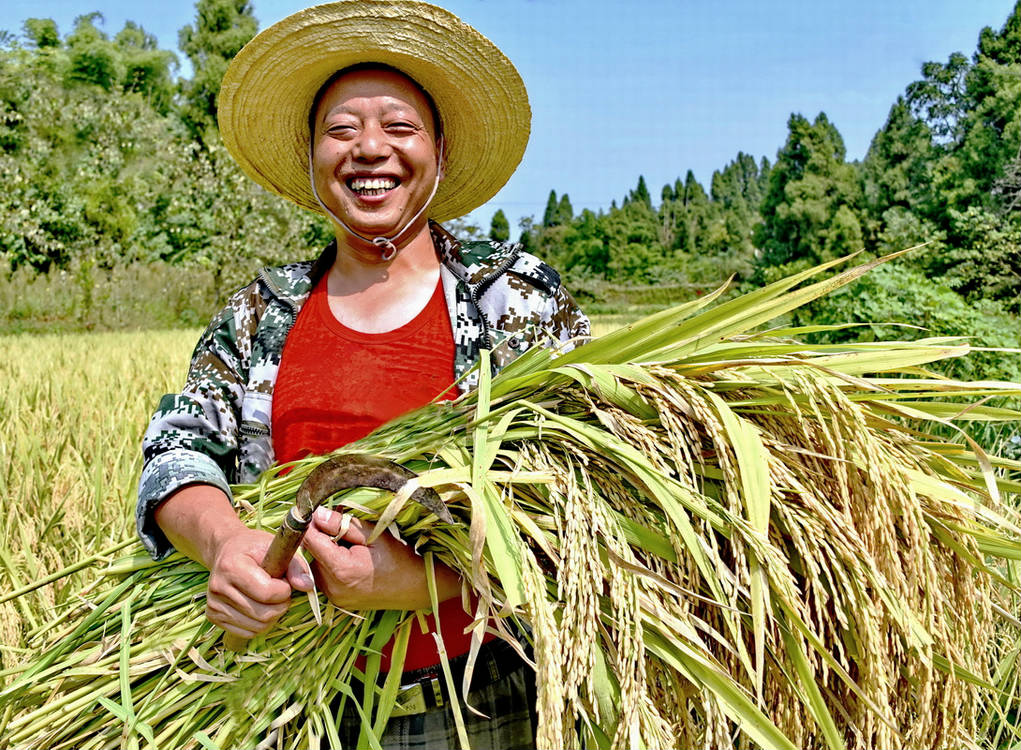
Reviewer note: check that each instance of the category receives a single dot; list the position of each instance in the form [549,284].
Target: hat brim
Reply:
[270,85]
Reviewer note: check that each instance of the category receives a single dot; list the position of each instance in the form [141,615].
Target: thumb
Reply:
[299,574]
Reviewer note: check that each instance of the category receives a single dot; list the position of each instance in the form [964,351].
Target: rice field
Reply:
[72,412]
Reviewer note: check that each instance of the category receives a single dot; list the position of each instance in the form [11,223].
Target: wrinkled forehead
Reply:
[368,70]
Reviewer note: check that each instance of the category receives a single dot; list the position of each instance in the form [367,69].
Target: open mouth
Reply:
[369,186]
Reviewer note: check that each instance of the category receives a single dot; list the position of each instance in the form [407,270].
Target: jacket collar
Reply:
[474,261]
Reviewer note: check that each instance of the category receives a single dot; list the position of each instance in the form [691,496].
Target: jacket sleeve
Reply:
[193,436]
[565,321]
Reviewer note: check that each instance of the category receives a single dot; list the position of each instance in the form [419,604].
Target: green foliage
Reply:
[41,32]
[100,172]
[147,69]
[549,217]
[136,296]
[939,98]
[92,58]
[558,212]
[809,209]
[499,227]
[80,166]
[897,170]
[640,194]
[221,29]
[565,212]
[986,261]
[972,106]
[899,302]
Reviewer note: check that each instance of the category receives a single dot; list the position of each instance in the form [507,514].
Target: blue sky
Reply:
[656,87]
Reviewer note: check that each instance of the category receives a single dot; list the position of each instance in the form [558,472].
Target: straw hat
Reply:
[268,90]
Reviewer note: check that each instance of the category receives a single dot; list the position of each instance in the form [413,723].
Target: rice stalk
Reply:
[708,537]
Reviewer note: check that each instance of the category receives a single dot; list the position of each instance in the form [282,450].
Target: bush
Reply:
[83,298]
[894,296]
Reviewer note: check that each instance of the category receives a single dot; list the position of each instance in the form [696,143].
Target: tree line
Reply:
[108,159]
[944,169]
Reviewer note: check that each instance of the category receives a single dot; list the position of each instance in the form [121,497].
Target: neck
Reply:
[373,295]
[359,263]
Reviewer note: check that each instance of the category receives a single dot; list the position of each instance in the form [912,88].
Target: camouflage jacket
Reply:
[217,430]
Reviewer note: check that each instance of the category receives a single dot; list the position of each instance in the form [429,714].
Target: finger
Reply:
[248,598]
[259,586]
[234,629]
[299,574]
[229,618]
[326,520]
[340,525]
[324,548]
[230,597]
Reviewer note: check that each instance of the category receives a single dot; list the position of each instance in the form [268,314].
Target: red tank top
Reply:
[335,385]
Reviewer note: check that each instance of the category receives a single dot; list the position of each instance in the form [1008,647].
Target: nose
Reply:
[371,144]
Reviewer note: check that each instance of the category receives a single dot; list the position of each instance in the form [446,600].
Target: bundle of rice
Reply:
[711,537]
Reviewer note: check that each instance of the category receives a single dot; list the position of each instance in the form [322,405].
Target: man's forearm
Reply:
[196,520]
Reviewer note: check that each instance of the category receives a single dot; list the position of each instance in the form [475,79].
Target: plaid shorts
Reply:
[508,701]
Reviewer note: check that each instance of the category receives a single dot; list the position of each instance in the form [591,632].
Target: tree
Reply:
[98,178]
[1008,187]
[93,59]
[222,28]
[80,166]
[694,194]
[897,168]
[550,215]
[985,260]
[897,178]
[42,32]
[635,254]
[939,98]
[683,219]
[565,212]
[726,240]
[499,227]
[640,194]
[808,211]
[147,69]
[971,106]
[527,237]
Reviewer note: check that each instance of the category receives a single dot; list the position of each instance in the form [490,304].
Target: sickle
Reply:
[336,474]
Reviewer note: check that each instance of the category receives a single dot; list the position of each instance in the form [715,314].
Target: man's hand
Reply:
[386,574]
[242,598]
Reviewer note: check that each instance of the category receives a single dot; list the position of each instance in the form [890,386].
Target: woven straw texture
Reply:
[269,87]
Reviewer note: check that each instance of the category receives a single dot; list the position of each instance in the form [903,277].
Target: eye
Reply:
[340,129]
[402,127]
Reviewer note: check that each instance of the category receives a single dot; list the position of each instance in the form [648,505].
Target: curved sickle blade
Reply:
[333,475]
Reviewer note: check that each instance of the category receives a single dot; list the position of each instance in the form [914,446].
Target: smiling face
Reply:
[375,152]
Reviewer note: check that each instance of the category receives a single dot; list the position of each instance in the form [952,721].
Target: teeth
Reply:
[373,183]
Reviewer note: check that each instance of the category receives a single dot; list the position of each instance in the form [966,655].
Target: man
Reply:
[384,116]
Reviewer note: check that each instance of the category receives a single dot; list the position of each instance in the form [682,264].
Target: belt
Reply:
[425,689]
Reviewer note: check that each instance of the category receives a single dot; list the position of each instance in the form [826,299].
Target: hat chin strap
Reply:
[387,246]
